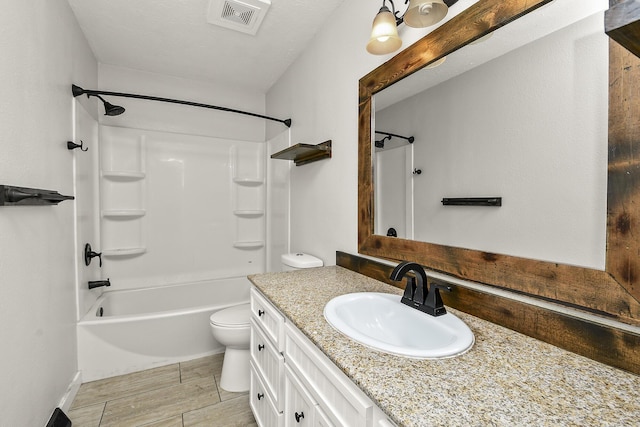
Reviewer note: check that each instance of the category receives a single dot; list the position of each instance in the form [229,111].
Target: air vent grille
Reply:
[236,13]
[245,16]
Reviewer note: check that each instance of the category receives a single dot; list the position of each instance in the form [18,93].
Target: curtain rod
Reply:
[77,91]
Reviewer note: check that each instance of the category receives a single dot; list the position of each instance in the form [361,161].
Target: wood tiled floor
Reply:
[179,395]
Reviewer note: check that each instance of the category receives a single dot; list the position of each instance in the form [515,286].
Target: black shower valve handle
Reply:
[89,254]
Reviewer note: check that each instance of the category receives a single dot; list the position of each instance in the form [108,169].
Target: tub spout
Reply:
[98,283]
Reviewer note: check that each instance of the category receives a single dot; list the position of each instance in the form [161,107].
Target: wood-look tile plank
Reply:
[87,416]
[231,413]
[126,385]
[160,404]
[169,422]
[205,367]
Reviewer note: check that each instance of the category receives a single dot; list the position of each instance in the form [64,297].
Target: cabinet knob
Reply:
[299,416]
[260,313]
[260,396]
[260,347]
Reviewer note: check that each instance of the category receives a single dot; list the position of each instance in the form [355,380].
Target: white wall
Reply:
[43,52]
[161,116]
[320,93]
[531,127]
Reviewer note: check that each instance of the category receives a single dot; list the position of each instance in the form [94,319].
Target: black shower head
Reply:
[109,108]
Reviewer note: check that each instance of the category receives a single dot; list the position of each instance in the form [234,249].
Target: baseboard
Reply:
[70,394]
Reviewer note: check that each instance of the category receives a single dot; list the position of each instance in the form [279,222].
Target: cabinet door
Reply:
[321,419]
[299,407]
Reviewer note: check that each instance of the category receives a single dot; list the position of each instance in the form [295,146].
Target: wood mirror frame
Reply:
[612,293]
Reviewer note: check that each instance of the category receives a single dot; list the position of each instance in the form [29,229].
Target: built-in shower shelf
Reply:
[301,154]
[123,175]
[248,213]
[124,213]
[249,245]
[250,182]
[123,252]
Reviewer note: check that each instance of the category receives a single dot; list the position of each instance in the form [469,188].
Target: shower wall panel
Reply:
[182,208]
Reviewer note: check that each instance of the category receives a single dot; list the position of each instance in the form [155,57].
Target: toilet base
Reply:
[235,370]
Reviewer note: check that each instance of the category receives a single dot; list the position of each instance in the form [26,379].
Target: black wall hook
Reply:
[89,254]
[72,146]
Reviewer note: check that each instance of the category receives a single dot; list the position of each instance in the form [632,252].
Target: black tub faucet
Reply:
[98,283]
[416,294]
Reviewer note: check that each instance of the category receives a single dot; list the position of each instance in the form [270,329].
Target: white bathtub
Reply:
[144,328]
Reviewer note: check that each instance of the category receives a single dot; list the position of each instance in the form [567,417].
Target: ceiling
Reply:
[173,37]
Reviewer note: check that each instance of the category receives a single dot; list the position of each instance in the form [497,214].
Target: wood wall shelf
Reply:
[302,154]
[622,23]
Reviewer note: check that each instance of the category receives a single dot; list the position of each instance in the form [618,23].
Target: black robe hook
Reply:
[72,146]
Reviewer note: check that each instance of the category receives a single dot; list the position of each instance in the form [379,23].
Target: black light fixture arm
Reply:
[77,91]
[400,19]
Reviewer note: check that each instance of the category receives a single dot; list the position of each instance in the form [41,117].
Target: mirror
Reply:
[614,288]
[521,115]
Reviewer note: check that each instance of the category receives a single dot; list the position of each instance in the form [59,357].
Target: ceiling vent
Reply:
[244,16]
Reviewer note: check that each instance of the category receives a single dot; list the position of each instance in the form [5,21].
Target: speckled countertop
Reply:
[506,379]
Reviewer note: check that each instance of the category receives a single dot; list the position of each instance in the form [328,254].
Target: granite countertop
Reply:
[506,379]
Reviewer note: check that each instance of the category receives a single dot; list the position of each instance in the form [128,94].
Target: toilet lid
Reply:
[232,317]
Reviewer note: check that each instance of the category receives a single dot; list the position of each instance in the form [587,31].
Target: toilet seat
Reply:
[232,317]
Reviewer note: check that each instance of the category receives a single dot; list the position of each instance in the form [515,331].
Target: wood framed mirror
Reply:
[613,292]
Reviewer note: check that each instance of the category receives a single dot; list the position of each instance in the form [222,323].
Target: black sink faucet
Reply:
[416,294]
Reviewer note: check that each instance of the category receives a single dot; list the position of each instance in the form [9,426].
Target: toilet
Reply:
[230,327]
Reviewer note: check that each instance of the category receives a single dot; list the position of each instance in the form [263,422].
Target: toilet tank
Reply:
[296,261]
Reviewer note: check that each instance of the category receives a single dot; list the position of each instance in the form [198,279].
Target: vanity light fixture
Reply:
[419,14]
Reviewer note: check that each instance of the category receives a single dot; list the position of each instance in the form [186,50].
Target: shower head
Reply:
[109,108]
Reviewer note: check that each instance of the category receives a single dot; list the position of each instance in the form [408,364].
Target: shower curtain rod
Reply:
[77,91]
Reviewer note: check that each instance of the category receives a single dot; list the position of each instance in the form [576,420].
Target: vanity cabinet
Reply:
[293,384]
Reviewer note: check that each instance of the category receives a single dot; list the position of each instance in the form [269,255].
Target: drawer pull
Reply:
[260,313]
[260,396]
[260,347]
[299,416]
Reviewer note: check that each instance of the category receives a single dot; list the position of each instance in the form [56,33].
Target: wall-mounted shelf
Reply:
[248,213]
[24,196]
[622,23]
[248,245]
[123,252]
[123,175]
[250,182]
[302,154]
[124,213]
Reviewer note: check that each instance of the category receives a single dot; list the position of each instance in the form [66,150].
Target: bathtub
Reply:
[132,330]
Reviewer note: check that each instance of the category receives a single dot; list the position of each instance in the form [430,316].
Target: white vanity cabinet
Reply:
[293,384]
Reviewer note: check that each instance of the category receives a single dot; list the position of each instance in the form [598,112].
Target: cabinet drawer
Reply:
[264,411]
[268,317]
[343,402]
[268,362]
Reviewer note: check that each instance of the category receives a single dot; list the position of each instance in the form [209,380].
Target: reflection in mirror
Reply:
[523,116]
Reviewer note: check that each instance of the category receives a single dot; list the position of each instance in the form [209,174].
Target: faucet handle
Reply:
[434,303]
[410,290]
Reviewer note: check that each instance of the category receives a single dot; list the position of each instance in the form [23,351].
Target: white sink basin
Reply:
[382,322]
